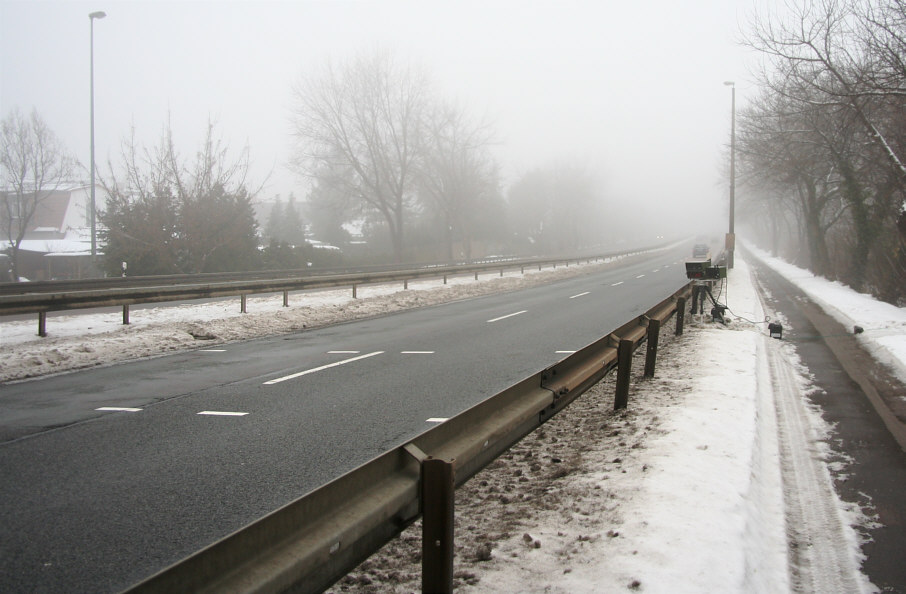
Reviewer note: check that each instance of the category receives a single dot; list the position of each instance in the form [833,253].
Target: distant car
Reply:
[701,250]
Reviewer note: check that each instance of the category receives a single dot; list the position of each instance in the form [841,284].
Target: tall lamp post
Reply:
[94,246]
[731,236]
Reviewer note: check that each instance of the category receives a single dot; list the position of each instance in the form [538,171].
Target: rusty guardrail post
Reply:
[680,315]
[624,366]
[437,525]
[654,331]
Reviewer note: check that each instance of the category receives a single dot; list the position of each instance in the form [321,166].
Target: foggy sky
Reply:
[631,90]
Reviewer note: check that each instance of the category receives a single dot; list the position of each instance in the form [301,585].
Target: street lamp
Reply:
[731,236]
[94,247]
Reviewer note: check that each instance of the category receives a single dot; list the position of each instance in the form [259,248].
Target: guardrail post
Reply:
[680,315]
[476,275]
[445,279]
[126,315]
[624,366]
[405,284]
[354,291]
[242,301]
[285,298]
[42,324]
[437,525]
[654,331]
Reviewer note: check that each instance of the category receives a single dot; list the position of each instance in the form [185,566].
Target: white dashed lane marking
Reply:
[118,409]
[640,276]
[564,352]
[211,350]
[222,413]
[343,352]
[580,294]
[416,352]
[507,316]
[321,368]
[436,420]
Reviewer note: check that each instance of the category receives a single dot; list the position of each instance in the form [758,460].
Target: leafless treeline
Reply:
[822,147]
[379,143]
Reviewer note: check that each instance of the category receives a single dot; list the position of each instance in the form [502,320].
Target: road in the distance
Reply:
[224,436]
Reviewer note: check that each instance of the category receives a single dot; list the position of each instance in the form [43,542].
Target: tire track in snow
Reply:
[820,554]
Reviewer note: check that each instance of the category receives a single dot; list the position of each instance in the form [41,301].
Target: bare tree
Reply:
[838,68]
[555,209]
[781,147]
[457,174]
[359,123]
[34,165]
[838,52]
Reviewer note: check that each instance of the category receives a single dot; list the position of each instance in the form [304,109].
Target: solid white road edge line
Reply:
[507,316]
[321,368]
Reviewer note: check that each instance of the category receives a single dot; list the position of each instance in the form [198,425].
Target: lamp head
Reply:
[99,14]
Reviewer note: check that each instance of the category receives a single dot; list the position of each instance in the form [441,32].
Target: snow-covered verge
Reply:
[695,487]
[81,340]
[884,325]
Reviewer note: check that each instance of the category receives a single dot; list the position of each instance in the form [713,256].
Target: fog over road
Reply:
[216,438]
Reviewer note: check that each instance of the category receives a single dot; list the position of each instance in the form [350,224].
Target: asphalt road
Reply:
[97,500]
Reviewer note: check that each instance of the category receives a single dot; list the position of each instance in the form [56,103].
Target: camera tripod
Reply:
[700,290]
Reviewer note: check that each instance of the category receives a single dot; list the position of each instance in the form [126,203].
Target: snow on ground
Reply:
[884,324]
[681,492]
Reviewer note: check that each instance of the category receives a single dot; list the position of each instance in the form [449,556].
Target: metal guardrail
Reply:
[317,539]
[47,296]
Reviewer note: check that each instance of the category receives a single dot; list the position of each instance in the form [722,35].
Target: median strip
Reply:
[321,368]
